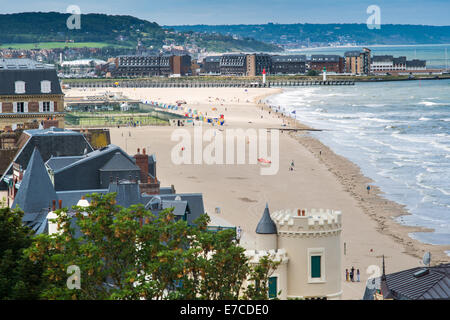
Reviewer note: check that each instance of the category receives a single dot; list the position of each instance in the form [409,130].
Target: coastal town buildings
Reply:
[30,95]
[390,64]
[211,65]
[233,64]
[257,62]
[80,68]
[180,65]
[358,62]
[307,243]
[332,63]
[288,64]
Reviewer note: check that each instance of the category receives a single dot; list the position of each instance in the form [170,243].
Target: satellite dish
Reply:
[426,258]
[177,198]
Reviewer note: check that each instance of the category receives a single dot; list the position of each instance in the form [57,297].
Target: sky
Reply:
[182,12]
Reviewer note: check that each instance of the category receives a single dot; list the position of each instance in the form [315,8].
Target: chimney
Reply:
[142,163]
[299,212]
[303,213]
[60,204]
[53,205]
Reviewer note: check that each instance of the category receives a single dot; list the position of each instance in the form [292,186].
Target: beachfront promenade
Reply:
[218,84]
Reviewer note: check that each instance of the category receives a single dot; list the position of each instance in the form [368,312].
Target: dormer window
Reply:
[19,87]
[46,86]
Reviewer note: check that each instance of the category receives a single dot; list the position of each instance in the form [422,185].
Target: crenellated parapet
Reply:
[309,223]
[279,255]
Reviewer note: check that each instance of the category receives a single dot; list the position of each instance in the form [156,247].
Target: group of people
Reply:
[352,276]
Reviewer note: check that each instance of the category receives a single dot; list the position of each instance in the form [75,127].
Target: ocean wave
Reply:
[410,138]
[445,192]
[377,120]
[440,146]
[431,103]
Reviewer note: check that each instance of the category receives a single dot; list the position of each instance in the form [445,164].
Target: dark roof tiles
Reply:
[266,224]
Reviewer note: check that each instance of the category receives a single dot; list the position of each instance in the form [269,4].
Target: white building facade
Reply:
[308,245]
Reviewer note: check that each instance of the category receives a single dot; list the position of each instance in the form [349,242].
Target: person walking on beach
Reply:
[357,274]
[368,189]
[352,273]
[238,234]
[292,163]
[346,274]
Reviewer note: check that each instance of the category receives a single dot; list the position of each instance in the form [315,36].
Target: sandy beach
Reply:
[321,179]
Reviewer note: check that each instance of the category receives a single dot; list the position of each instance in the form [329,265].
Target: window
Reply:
[46,86]
[46,106]
[20,87]
[20,107]
[273,287]
[315,266]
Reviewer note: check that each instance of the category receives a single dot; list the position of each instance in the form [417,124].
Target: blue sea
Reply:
[398,133]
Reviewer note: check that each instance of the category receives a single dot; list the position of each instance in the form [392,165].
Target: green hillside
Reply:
[49,29]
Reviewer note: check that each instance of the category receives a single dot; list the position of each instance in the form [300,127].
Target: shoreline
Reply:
[241,192]
[354,182]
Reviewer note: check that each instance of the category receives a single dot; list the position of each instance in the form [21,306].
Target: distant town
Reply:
[177,61]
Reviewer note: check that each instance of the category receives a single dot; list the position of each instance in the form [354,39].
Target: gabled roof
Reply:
[194,200]
[119,162]
[85,173]
[51,142]
[36,190]
[266,224]
[179,207]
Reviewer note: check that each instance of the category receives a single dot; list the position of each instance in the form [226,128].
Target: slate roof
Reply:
[194,200]
[85,173]
[56,163]
[212,59]
[36,190]
[128,193]
[52,142]
[404,285]
[22,64]
[70,198]
[289,58]
[385,58]
[400,60]
[416,63]
[120,162]
[165,190]
[32,79]
[325,58]
[266,224]
[352,54]
[180,207]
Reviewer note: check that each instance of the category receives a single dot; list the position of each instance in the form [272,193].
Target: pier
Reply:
[218,84]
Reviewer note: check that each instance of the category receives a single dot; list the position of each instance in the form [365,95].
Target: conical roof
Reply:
[36,190]
[266,224]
